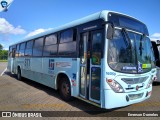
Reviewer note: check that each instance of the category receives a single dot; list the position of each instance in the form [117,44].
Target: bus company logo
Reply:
[51,64]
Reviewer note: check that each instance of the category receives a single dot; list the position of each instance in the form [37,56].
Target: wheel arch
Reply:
[18,67]
[58,78]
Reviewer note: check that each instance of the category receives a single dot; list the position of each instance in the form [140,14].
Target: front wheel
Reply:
[65,89]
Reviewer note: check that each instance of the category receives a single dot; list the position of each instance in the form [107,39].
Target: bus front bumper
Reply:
[114,100]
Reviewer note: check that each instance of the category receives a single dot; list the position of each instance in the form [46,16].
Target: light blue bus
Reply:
[103,59]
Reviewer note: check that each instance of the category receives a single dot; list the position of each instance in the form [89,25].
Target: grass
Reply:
[3,60]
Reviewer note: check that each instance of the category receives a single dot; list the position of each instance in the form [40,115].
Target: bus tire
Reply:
[65,89]
[19,77]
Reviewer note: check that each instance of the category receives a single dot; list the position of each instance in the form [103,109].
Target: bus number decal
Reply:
[27,62]
[111,73]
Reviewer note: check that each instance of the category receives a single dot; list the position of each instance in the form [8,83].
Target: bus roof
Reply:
[99,15]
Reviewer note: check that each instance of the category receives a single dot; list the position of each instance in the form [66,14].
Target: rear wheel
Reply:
[19,77]
[65,89]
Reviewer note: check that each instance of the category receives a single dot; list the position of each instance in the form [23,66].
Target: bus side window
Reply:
[17,50]
[67,49]
[22,48]
[67,46]
[50,48]
[28,50]
[13,53]
[38,47]
[66,36]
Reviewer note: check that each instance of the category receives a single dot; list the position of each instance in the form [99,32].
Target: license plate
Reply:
[135,96]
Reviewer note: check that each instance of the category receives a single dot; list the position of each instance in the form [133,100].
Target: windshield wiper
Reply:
[140,46]
[126,35]
[127,41]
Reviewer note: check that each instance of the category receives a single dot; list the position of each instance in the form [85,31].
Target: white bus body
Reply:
[98,59]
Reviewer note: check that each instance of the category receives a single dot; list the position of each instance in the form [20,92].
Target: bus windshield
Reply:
[130,52]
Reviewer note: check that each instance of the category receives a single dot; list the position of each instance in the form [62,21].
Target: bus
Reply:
[156,49]
[103,59]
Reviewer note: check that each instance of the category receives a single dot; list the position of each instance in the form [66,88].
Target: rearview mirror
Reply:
[110,31]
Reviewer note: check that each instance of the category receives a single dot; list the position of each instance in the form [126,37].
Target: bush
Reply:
[3,54]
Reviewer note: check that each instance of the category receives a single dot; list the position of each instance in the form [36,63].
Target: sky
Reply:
[28,17]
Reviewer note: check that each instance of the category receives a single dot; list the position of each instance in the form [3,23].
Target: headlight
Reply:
[115,86]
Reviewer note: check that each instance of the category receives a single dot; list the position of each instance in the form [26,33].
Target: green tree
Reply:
[3,54]
[1,47]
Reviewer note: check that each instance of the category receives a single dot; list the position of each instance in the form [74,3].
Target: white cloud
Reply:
[7,28]
[155,36]
[6,48]
[35,32]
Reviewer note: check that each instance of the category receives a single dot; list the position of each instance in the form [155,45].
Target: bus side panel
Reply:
[36,68]
[45,71]
[48,72]
[33,69]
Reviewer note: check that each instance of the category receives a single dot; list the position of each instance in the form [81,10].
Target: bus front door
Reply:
[90,65]
[83,65]
[95,66]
